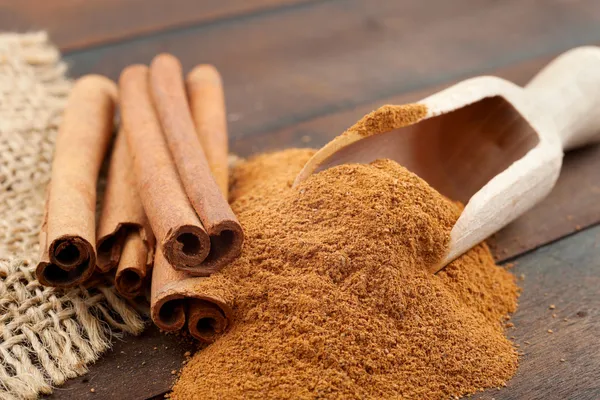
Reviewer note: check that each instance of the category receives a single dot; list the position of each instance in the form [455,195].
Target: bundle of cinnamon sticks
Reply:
[164,212]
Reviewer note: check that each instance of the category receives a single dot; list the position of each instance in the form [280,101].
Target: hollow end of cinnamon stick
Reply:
[186,248]
[206,320]
[169,313]
[129,282]
[177,299]
[71,260]
[226,241]
[133,265]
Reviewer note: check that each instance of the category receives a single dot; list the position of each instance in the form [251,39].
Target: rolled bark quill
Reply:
[178,231]
[125,238]
[135,263]
[176,298]
[169,94]
[207,103]
[68,235]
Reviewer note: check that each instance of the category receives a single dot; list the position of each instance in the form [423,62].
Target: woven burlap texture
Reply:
[46,335]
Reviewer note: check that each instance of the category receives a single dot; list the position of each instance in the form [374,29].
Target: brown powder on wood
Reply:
[332,300]
[388,117]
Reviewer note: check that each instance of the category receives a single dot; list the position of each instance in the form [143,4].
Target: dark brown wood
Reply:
[573,204]
[316,132]
[299,74]
[576,195]
[302,62]
[84,23]
[135,368]
[565,274]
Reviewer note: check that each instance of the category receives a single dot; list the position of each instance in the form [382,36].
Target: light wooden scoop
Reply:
[486,142]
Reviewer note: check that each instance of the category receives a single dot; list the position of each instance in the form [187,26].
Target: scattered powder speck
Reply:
[332,299]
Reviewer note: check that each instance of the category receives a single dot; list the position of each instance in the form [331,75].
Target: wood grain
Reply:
[557,216]
[316,132]
[76,24]
[135,368]
[298,73]
[565,274]
[299,63]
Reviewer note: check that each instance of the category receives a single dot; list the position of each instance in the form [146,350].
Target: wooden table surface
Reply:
[298,72]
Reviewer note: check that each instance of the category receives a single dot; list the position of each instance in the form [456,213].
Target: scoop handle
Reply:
[568,91]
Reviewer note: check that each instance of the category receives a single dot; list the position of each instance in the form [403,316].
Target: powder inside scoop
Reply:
[333,299]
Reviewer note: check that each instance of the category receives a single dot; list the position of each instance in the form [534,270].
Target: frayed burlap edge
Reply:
[46,335]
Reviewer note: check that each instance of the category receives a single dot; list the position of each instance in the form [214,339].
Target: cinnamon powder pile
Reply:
[332,297]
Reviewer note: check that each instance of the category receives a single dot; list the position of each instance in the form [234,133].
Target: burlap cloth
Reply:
[46,336]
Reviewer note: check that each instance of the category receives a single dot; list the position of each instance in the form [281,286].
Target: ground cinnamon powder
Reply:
[387,118]
[332,300]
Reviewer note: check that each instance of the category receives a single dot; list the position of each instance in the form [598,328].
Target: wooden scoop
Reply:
[486,142]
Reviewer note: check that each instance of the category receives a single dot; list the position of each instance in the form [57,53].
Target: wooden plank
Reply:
[316,132]
[545,223]
[75,24]
[565,274]
[299,63]
[288,84]
[135,368]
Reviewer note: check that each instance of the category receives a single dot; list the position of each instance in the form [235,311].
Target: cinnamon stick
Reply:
[179,233]
[207,302]
[168,92]
[124,234]
[177,298]
[134,264]
[68,235]
[207,104]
